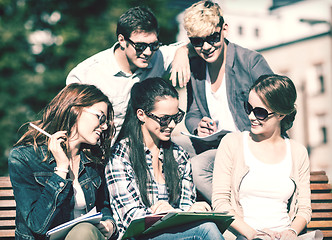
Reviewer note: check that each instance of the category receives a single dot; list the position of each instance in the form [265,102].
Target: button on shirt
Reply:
[103,71]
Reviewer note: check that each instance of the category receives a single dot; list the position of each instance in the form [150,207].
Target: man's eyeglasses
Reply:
[101,116]
[260,113]
[212,39]
[140,46]
[164,121]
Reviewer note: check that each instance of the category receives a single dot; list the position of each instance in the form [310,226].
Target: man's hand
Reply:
[180,67]
[206,127]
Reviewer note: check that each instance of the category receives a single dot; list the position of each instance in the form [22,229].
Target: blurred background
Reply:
[41,41]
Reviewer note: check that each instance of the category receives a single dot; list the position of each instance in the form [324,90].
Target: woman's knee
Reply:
[84,231]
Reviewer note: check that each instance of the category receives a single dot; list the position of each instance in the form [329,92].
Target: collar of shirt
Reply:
[116,70]
[149,155]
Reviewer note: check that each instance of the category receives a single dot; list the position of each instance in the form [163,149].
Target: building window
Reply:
[257,33]
[320,77]
[324,134]
[240,30]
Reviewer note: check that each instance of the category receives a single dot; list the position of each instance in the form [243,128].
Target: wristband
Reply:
[61,170]
[293,230]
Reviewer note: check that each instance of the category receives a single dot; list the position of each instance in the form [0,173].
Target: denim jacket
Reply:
[44,199]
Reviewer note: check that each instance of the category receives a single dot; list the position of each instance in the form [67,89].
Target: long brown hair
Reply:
[61,114]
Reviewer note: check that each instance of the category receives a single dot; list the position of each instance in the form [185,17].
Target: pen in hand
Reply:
[63,145]
[40,130]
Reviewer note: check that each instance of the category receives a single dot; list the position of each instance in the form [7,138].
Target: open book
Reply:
[156,222]
[62,230]
[213,137]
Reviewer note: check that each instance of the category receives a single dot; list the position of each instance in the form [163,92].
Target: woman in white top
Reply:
[261,176]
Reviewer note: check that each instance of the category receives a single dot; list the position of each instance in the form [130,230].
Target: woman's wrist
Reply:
[61,169]
[293,231]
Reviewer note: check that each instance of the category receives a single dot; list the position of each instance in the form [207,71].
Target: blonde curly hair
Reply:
[202,18]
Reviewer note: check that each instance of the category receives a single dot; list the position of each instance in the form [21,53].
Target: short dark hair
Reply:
[137,19]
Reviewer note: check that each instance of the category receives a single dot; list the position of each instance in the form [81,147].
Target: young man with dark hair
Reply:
[136,55]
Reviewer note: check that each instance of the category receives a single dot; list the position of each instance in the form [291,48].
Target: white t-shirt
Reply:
[265,191]
[218,105]
[80,204]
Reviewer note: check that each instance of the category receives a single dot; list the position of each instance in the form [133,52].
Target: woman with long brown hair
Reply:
[59,177]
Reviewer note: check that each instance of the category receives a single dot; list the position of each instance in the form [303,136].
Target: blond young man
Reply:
[221,75]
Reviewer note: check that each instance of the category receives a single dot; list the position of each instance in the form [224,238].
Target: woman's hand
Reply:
[55,146]
[267,234]
[161,206]
[200,207]
[206,127]
[107,228]
[288,235]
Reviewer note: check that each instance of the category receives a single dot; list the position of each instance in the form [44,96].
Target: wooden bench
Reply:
[7,209]
[321,203]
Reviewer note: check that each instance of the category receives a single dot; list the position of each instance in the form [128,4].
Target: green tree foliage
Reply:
[42,40]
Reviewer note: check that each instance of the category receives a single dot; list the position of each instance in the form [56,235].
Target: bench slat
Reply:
[5,182]
[322,215]
[6,193]
[317,173]
[321,196]
[320,224]
[320,186]
[7,223]
[7,214]
[7,204]
[321,206]
[8,233]
[319,179]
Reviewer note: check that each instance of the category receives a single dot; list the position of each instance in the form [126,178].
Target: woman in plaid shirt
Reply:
[147,173]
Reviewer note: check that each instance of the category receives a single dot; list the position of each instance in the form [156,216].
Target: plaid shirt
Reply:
[123,188]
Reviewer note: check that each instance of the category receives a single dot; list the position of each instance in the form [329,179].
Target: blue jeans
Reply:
[195,231]
[241,237]
[202,167]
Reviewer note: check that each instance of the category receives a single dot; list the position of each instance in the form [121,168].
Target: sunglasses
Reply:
[164,121]
[260,113]
[212,39]
[140,46]
[101,116]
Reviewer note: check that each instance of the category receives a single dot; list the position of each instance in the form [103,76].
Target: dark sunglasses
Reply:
[101,116]
[140,46]
[260,113]
[212,39]
[164,121]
